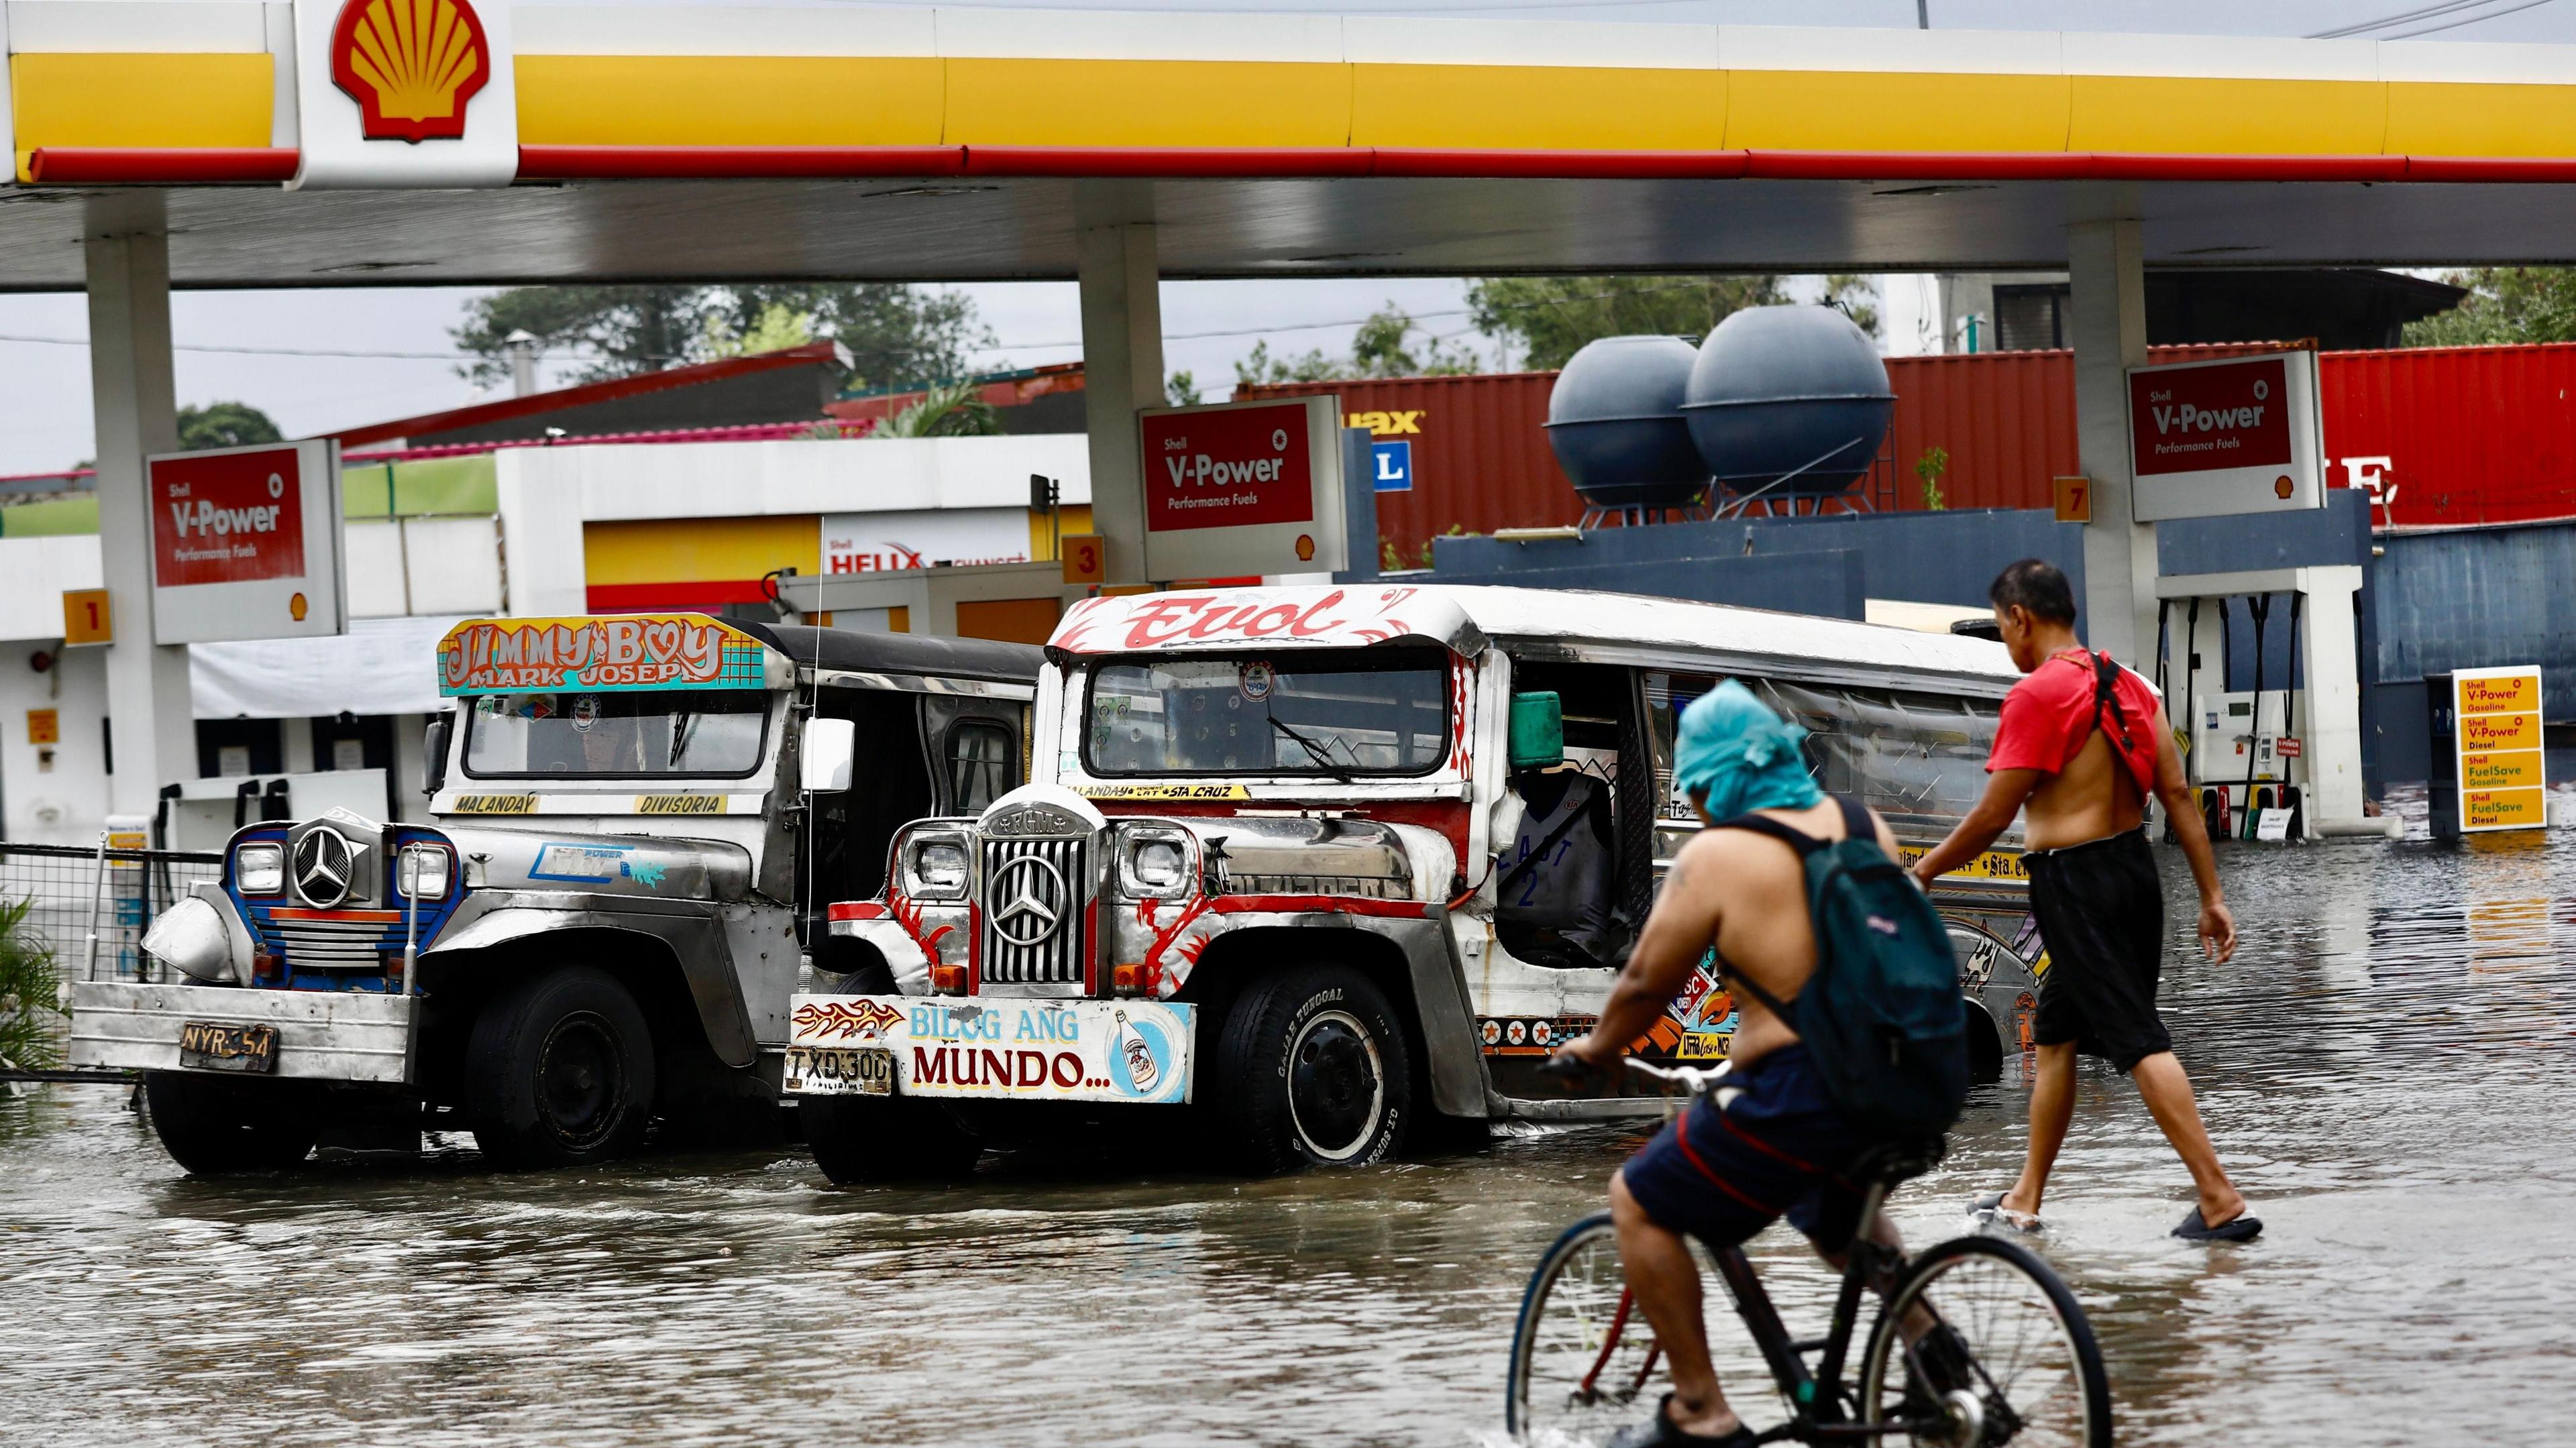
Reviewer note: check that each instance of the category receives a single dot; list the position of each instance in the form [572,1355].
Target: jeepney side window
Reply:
[978,759]
[1667,695]
[853,827]
[1911,756]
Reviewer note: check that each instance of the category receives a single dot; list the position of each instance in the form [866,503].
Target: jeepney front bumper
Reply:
[1001,1048]
[321,1035]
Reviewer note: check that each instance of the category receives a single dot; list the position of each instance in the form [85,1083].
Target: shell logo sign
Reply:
[411,65]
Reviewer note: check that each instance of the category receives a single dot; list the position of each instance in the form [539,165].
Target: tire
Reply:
[214,1127]
[559,1071]
[2024,1332]
[1312,1070]
[862,1141]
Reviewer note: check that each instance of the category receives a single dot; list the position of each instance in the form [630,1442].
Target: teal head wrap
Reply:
[1734,755]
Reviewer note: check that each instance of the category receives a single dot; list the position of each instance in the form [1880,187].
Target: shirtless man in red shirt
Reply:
[2081,745]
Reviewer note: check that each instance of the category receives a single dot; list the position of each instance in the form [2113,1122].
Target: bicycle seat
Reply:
[1897,1161]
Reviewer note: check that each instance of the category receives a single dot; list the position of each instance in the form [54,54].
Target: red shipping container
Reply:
[2456,436]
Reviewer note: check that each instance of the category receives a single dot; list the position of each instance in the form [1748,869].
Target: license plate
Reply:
[215,1046]
[854,1070]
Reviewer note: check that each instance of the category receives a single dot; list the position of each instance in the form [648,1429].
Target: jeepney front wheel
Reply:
[862,1141]
[215,1127]
[559,1071]
[1312,1070]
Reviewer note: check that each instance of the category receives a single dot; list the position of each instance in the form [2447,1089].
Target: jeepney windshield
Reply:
[1340,715]
[703,733]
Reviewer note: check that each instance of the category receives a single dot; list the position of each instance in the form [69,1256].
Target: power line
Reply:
[2408,17]
[2471,20]
[450,357]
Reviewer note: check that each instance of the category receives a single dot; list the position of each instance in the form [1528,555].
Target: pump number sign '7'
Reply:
[245,542]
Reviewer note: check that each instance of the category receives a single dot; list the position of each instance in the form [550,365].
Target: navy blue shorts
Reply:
[1775,1146]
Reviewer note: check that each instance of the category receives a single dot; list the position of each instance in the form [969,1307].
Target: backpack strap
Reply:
[2106,678]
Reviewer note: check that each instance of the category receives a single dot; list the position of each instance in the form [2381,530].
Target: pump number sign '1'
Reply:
[2498,734]
[1242,489]
[245,542]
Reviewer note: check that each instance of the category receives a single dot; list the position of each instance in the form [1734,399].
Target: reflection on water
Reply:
[2385,1066]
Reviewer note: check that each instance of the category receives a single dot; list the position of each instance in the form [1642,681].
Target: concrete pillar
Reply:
[126,246]
[2108,326]
[1122,356]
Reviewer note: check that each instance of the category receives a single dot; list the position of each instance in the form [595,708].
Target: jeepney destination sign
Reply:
[646,651]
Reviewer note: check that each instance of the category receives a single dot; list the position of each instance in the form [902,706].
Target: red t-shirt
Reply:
[2048,718]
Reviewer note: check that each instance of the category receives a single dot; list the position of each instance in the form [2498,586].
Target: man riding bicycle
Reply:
[1769,1140]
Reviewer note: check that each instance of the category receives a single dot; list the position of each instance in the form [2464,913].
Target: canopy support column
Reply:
[1122,356]
[126,248]
[2108,315]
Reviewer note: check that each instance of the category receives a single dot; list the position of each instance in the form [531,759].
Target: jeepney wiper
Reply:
[681,728]
[1313,750]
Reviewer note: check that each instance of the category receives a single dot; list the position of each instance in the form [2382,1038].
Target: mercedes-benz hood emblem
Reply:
[325,866]
[1028,898]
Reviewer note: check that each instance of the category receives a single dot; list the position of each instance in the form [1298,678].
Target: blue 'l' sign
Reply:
[1394,466]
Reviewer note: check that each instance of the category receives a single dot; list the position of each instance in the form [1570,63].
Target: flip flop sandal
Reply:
[2241,1228]
[1990,1209]
[1662,1433]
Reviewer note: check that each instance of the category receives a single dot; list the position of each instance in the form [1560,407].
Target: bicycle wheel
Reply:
[2013,1361]
[1582,1353]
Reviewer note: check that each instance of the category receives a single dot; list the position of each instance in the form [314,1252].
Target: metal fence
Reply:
[117,893]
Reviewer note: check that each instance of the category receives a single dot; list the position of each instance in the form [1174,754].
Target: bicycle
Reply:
[2000,1352]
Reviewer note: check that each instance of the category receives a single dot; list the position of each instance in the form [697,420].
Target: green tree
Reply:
[1548,319]
[225,424]
[948,409]
[1181,390]
[1382,347]
[2505,304]
[896,334]
[30,987]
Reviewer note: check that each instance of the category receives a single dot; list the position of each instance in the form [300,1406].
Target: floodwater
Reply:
[2387,1068]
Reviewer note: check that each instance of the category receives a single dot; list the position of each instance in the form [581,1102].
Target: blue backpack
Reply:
[1882,1015]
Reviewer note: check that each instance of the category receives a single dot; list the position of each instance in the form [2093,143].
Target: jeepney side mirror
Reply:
[433,753]
[826,753]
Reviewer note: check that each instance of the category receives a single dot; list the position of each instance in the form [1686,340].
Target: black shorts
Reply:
[1767,1142]
[2101,911]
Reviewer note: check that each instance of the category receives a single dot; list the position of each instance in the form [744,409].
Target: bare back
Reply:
[1758,887]
[2093,798]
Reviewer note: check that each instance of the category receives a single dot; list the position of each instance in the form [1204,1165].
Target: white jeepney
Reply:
[634,823]
[1256,869]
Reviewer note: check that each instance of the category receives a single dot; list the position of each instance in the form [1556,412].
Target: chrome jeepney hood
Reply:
[1327,854]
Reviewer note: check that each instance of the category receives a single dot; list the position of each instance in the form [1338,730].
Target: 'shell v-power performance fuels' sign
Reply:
[245,542]
[1243,489]
[2240,435]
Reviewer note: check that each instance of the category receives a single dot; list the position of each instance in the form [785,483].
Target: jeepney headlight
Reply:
[420,873]
[1154,864]
[260,869]
[934,868]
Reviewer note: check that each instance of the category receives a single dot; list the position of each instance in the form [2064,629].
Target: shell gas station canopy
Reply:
[493,143]
[313,143]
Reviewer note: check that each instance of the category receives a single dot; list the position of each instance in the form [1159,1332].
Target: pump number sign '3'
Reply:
[245,542]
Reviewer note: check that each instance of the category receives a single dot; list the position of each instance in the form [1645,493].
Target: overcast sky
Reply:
[45,423]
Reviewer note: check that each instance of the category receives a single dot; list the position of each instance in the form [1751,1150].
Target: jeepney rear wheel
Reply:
[1312,1070]
[214,1127]
[863,1141]
[559,1071]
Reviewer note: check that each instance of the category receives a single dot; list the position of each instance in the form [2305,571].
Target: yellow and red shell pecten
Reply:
[411,65]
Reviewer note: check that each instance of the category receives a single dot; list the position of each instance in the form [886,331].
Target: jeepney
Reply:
[633,824]
[1253,881]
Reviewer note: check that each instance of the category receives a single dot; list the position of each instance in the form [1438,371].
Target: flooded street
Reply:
[2386,1067]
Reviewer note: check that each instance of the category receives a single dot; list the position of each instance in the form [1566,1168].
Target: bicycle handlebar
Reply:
[1576,1073]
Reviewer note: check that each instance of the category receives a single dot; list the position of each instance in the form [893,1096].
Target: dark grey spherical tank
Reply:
[1782,390]
[1616,423]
